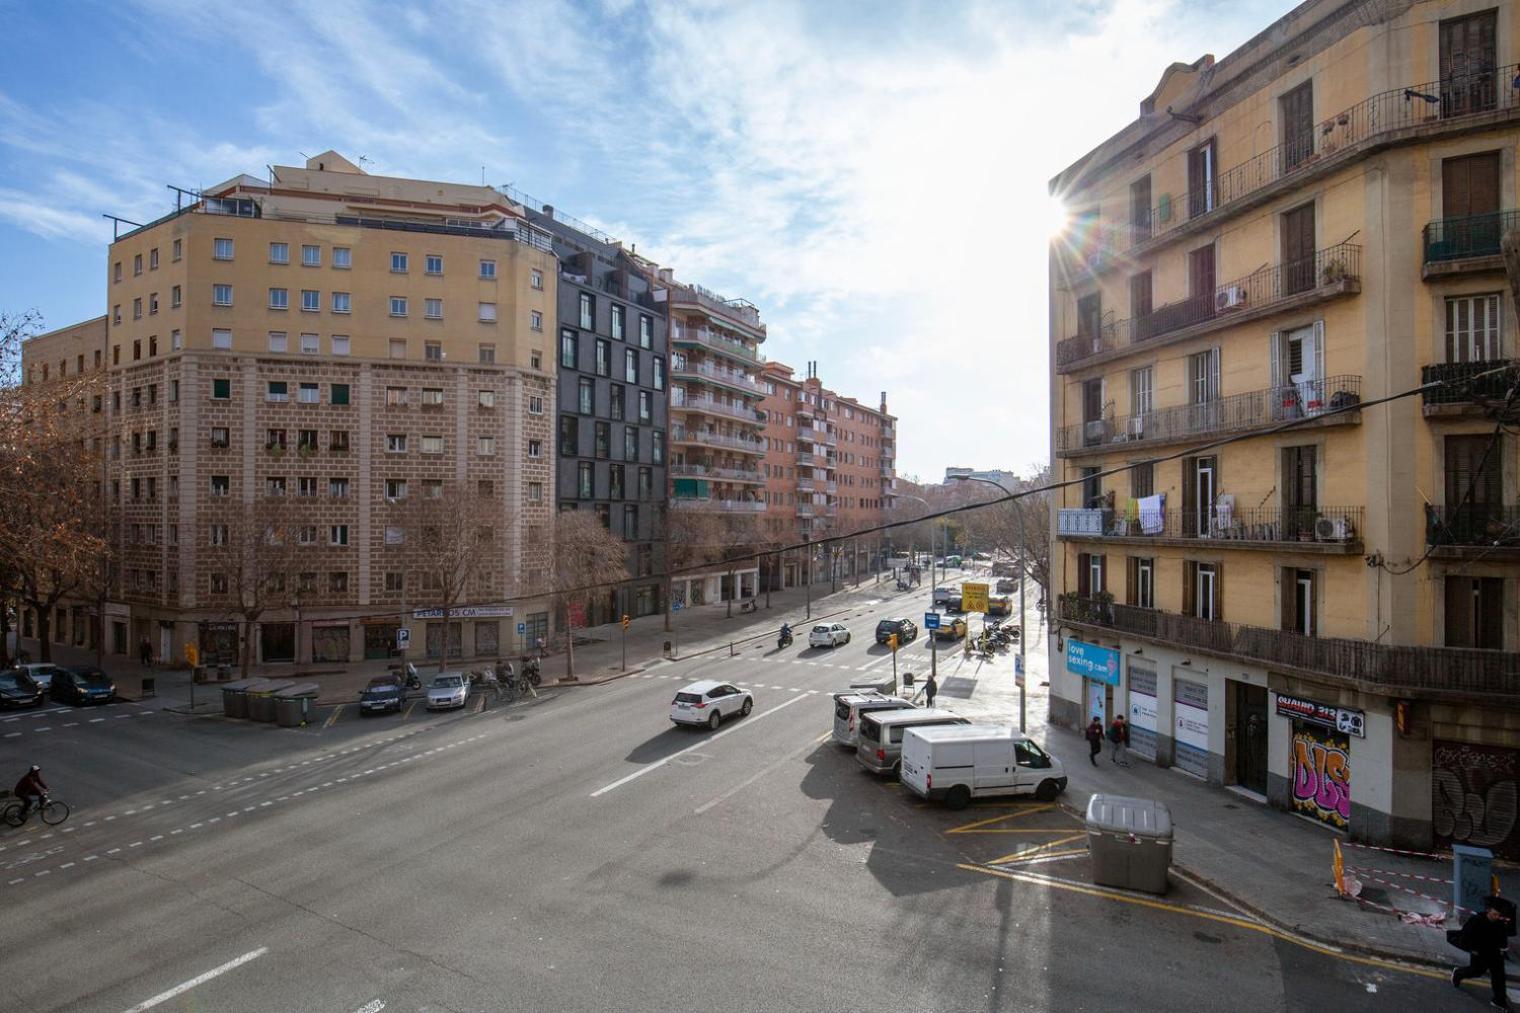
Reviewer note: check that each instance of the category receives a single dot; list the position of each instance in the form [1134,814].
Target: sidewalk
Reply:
[1271,863]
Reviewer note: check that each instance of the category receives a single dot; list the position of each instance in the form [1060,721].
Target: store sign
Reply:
[1342,719]
[466,612]
[1101,664]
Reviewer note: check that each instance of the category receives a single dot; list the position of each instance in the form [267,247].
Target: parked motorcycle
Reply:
[902,585]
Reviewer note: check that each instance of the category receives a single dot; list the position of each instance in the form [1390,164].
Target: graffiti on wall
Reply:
[1473,796]
[1322,774]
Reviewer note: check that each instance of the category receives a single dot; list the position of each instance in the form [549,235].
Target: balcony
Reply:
[1319,530]
[805,510]
[713,341]
[1328,400]
[1456,105]
[831,438]
[716,474]
[804,485]
[1486,530]
[831,487]
[1467,244]
[741,310]
[1331,272]
[806,435]
[809,460]
[712,406]
[1386,669]
[1468,387]
[727,506]
[706,439]
[680,368]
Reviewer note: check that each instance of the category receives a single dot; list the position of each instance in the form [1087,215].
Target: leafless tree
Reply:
[453,531]
[999,527]
[695,540]
[586,556]
[258,556]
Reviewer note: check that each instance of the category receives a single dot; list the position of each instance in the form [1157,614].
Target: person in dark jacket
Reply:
[30,790]
[931,687]
[1486,936]
[1118,734]
[1094,740]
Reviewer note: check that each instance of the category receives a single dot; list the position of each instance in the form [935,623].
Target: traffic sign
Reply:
[931,620]
[522,628]
[403,638]
[1018,664]
[675,606]
[974,597]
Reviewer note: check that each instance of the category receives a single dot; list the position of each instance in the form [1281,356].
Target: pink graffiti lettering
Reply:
[1322,779]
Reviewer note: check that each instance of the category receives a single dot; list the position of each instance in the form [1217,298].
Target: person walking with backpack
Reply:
[1118,734]
[1486,936]
[1094,740]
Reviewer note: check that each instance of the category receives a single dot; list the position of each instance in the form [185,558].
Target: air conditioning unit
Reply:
[1332,529]
[1228,299]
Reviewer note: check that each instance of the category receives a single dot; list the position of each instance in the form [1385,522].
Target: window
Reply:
[309,394]
[221,485]
[630,443]
[306,487]
[1474,328]
[1298,260]
[619,394]
[398,305]
[485,446]
[487,312]
[337,488]
[279,298]
[338,534]
[535,320]
[659,373]
[432,488]
[487,354]
[1296,592]
[614,481]
[432,309]
[535,403]
[116,272]
[176,297]
[340,344]
[588,312]
[306,581]
[603,440]
[567,349]
[432,397]
[152,304]
[1142,480]
[274,485]
[485,488]
[311,256]
[1475,612]
[394,581]
[173,391]
[537,279]
[221,249]
[277,391]
[218,583]
[337,393]
[630,365]
[1140,209]
[1141,579]
[136,264]
[311,300]
[275,439]
[337,441]
[646,331]
[488,269]
[221,295]
[337,582]
[341,302]
[432,263]
[277,342]
[310,344]
[279,253]
[646,407]
[395,396]
[398,263]
[1296,113]
[535,492]
[487,398]
[397,348]
[617,322]
[343,258]
[657,447]
[585,484]
[569,436]
[1092,574]
[586,396]
[1201,590]
[603,357]
[116,314]
[535,448]
[432,351]
[395,443]
[395,488]
[221,388]
[536,359]
[179,249]
[432,444]
[630,521]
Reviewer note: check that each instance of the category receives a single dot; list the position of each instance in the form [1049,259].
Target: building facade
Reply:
[612,363]
[1322,611]
[327,346]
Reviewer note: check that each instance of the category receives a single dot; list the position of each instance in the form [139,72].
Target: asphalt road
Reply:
[580,853]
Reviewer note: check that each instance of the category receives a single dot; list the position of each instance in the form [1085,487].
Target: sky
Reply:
[872,175]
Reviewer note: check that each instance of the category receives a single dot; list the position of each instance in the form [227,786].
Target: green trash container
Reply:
[294,704]
[261,699]
[235,697]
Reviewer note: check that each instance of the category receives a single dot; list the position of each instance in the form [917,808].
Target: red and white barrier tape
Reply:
[1396,851]
[1404,875]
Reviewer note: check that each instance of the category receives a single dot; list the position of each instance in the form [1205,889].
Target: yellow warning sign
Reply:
[974,597]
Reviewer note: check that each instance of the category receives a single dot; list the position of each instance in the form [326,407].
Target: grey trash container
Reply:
[235,697]
[1130,840]
[294,705]
[261,699]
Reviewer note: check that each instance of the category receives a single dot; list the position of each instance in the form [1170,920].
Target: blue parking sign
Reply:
[522,628]
[931,620]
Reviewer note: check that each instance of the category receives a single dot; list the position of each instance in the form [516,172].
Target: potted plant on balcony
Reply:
[274,450]
[1333,271]
[305,450]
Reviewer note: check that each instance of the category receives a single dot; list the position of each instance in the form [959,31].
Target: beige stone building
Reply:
[1322,612]
[338,344]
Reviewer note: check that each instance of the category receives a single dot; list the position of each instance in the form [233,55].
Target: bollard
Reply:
[730,648]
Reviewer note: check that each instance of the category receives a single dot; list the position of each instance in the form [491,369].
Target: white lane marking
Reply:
[689,749]
[373,1006]
[199,979]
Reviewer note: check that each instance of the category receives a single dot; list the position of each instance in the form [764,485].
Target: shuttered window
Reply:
[1475,612]
[1297,108]
[1298,250]
[1474,328]
[1468,56]
[1470,185]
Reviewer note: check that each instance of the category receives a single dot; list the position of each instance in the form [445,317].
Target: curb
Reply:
[597,681]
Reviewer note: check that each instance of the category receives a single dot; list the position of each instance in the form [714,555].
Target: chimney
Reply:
[884,402]
[668,275]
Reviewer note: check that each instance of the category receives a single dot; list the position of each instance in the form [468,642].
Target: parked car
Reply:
[384,693]
[17,689]
[849,708]
[950,628]
[1003,569]
[82,686]
[1001,605]
[42,672]
[450,689]
[708,702]
[904,628]
[828,635]
[1006,586]
[879,748]
[958,763]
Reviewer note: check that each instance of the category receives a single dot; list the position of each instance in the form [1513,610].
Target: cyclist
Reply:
[30,790]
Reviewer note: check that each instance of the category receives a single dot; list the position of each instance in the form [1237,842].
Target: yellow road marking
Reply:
[1030,811]
[1031,852]
[332,719]
[409,708]
[1160,905]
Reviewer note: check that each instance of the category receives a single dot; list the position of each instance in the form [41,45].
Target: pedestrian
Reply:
[1486,936]
[145,651]
[1094,740]
[931,687]
[1118,734]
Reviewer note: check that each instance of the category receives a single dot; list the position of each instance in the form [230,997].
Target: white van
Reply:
[849,708]
[958,763]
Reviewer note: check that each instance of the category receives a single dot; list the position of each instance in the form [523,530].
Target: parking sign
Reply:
[931,620]
[522,628]
[403,638]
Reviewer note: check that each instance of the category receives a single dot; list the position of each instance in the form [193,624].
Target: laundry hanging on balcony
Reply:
[1153,514]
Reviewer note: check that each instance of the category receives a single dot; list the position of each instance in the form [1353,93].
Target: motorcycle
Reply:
[412,679]
[902,585]
[785,640]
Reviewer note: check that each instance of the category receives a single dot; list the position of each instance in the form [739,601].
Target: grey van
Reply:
[849,708]
[881,734]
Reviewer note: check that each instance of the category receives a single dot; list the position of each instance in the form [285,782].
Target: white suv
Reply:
[708,702]
[828,635]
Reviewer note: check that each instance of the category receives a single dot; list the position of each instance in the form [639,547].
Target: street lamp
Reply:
[1023,578]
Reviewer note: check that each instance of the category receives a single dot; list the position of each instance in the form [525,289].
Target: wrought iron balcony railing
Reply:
[1335,525]
[1463,382]
[1449,239]
[1486,524]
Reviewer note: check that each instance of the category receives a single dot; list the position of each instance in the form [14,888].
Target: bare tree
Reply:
[1000,526]
[257,557]
[695,539]
[452,529]
[586,556]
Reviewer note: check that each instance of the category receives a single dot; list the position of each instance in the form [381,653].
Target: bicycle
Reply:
[51,810]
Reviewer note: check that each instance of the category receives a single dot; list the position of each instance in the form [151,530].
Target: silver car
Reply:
[879,748]
[448,690]
[849,708]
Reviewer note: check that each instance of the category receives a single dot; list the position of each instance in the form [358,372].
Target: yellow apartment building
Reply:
[338,344]
[1289,586]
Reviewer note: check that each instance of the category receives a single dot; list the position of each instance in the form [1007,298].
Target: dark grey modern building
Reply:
[612,431]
